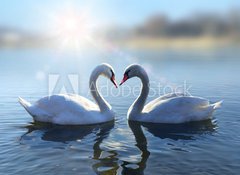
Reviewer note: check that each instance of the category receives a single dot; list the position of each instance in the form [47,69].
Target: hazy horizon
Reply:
[38,15]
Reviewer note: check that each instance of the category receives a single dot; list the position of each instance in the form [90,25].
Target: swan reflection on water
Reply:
[111,164]
[66,134]
[186,131]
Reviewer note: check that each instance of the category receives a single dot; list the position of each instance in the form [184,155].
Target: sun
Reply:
[72,29]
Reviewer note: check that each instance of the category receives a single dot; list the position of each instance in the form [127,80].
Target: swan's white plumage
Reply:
[177,109]
[170,108]
[71,109]
[66,109]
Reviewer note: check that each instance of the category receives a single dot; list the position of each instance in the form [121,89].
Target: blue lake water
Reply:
[119,147]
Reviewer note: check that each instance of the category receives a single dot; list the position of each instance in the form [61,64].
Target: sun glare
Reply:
[72,29]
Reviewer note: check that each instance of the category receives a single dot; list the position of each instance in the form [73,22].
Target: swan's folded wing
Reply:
[57,104]
[86,103]
[153,103]
[177,104]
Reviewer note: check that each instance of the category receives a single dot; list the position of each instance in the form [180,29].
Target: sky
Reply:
[36,15]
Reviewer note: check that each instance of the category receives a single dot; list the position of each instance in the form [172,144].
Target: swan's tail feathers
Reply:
[217,104]
[25,104]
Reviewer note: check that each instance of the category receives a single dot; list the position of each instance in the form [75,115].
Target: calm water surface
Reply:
[209,147]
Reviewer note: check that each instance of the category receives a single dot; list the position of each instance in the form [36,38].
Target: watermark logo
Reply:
[70,84]
[63,84]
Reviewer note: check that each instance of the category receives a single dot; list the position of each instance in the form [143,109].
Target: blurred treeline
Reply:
[198,29]
[195,25]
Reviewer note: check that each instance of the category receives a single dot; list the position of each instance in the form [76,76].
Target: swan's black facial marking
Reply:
[125,77]
[113,78]
[127,72]
[112,72]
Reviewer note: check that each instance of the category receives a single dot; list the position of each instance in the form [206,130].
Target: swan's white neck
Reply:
[139,103]
[102,103]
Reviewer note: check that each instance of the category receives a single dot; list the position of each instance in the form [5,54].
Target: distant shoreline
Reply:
[180,43]
[158,43]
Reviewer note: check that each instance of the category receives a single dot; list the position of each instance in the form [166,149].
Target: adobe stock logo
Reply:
[62,84]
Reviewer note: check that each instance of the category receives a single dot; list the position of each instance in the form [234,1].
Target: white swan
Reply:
[170,108]
[70,109]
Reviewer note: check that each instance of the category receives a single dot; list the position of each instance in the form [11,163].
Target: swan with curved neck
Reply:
[71,109]
[170,108]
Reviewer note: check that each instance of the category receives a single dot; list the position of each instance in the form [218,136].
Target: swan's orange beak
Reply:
[114,81]
[125,77]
